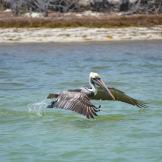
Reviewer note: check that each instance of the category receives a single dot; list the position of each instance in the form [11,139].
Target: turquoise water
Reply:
[121,132]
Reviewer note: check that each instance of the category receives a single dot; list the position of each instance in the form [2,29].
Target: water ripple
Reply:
[121,132]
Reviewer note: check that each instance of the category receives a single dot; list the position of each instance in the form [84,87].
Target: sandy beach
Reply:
[81,34]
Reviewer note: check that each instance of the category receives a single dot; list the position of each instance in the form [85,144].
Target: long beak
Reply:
[102,85]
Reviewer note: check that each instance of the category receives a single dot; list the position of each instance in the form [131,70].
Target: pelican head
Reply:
[96,82]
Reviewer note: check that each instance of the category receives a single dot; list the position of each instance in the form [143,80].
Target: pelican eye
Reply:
[97,78]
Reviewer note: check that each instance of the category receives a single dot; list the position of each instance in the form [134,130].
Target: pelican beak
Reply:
[100,83]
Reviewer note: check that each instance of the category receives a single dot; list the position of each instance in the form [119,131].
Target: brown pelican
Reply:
[78,100]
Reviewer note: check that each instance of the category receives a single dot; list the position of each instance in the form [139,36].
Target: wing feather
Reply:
[119,96]
[76,101]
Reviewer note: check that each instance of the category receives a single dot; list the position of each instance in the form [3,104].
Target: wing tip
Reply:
[142,104]
[92,112]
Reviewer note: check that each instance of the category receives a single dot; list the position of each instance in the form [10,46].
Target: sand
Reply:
[25,35]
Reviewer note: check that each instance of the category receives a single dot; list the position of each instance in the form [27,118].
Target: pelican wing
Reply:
[83,90]
[78,102]
[55,95]
[119,96]
[52,95]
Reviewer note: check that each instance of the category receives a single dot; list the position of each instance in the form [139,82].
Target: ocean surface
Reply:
[121,133]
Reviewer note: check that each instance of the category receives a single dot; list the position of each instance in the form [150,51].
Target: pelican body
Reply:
[78,100]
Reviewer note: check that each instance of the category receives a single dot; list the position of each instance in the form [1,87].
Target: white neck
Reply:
[94,90]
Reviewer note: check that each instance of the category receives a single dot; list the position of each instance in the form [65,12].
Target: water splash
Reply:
[38,107]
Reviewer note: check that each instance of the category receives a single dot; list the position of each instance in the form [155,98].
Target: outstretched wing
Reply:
[55,95]
[78,102]
[119,96]
[52,95]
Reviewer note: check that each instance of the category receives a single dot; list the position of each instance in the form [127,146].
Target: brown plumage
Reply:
[78,100]
[119,96]
[75,101]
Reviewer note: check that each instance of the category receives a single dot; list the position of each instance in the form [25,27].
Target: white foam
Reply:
[38,107]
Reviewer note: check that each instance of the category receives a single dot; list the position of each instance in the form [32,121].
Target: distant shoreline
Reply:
[80,34]
[79,27]
[73,20]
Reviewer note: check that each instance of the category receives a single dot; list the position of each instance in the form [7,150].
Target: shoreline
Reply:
[79,34]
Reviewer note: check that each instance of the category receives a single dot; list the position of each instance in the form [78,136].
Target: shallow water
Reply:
[121,132]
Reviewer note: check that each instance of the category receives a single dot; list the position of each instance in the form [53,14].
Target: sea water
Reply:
[121,132]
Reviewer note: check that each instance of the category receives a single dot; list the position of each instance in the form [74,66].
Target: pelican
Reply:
[78,100]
